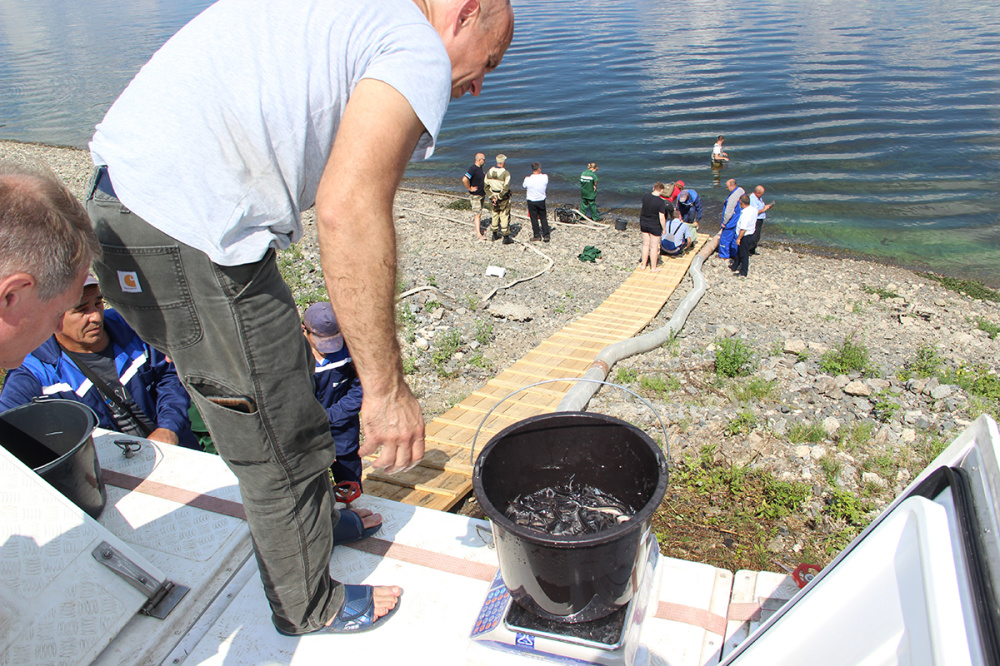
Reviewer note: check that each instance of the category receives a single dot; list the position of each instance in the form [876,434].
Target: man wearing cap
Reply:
[473,181]
[588,192]
[97,359]
[338,388]
[498,189]
[689,205]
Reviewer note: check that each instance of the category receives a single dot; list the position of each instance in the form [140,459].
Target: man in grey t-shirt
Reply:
[253,112]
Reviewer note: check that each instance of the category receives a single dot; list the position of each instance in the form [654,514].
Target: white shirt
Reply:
[747,221]
[536,184]
[759,205]
[222,137]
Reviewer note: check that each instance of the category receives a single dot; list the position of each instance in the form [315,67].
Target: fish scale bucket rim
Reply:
[589,380]
[635,522]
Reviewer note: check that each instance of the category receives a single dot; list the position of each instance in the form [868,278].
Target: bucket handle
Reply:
[666,439]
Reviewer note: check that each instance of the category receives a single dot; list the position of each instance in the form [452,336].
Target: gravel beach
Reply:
[795,414]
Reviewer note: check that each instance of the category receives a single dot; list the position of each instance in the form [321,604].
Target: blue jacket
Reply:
[150,378]
[338,389]
[694,201]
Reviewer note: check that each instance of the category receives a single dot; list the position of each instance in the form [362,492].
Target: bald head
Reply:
[476,34]
[758,191]
[731,184]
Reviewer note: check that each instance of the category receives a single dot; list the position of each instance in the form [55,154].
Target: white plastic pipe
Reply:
[579,396]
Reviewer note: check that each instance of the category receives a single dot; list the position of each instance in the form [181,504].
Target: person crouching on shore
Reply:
[676,238]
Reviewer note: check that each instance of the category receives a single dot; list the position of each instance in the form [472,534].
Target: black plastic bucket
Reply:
[621,224]
[53,437]
[571,578]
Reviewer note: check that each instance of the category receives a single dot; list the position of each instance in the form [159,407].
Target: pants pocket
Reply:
[149,286]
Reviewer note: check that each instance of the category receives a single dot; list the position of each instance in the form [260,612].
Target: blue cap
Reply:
[321,322]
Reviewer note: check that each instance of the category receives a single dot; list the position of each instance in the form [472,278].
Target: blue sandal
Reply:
[351,528]
[358,612]
[357,615]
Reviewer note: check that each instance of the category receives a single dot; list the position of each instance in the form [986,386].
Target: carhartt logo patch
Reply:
[129,282]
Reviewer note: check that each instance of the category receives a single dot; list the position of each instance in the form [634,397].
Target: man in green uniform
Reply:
[498,189]
[588,192]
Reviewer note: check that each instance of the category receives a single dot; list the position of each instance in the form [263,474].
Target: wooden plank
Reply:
[444,477]
[423,478]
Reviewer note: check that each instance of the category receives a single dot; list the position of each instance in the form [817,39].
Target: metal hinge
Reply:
[162,596]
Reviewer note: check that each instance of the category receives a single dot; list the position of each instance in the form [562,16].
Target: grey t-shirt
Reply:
[221,138]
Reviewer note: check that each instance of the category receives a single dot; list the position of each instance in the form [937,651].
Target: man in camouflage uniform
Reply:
[498,189]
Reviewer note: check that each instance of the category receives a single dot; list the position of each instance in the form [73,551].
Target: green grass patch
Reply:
[924,364]
[725,515]
[743,424]
[406,322]
[294,271]
[478,360]
[976,380]
[659,385]
[754,388]
[883,463]
[879,291]
[800,433]
[848,507]
[431,306]
[984,324]
[625,375]
[830,466]
[885,406]
[409,366]
[484,332]
[856,435]
[850,356]
[459,204]
[968,288]
[734,358]
[759,494]
[446,346]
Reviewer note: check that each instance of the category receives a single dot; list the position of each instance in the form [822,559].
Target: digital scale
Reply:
[506,633]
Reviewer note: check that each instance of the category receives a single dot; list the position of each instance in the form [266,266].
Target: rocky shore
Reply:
[855,375]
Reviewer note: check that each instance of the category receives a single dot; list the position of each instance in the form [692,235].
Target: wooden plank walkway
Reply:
[444,477]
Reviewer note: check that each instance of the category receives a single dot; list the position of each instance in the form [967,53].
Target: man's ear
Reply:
[469,13]
[13,289]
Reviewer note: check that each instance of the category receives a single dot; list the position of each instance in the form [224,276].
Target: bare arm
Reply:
[465,181]
[357,238]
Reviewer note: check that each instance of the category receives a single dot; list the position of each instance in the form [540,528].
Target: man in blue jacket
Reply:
[338,388]
[689,205]
[136,391]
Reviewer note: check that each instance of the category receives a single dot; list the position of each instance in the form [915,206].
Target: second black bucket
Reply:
[53,437]
[571,578]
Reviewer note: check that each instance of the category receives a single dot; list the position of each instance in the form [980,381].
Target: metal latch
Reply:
[162,596]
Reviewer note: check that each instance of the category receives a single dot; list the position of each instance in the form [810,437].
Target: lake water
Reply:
[875,125]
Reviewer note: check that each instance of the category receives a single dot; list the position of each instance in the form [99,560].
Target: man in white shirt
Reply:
[745,227]
[536,184]
[253,112]
[757,201]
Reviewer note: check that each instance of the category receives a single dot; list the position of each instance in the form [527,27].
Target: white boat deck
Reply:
[179,511]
